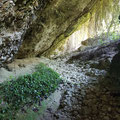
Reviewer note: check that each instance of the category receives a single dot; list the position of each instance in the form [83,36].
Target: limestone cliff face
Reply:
[36,27]
[99,25]
[16,16]
[53,25]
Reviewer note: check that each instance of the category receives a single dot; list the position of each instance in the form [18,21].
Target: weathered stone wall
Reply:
[53,25]
[102,25]
[36,27]
[15,18]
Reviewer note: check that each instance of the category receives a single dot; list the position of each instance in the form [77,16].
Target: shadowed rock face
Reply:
[54,24]
[36,27]
[115,65]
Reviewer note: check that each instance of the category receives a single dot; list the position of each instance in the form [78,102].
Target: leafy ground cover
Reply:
[27,90]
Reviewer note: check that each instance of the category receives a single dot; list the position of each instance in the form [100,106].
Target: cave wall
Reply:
[53,25]
[31,28]
[16,16]
[100,25]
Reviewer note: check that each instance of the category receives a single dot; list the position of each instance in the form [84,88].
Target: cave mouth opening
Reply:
[91,33]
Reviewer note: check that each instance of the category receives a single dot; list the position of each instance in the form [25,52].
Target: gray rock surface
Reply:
[35,27]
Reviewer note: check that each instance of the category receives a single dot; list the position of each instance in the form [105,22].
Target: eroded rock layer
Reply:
[15,18]
[36,27]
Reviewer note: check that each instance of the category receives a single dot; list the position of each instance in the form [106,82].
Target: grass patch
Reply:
[27,90]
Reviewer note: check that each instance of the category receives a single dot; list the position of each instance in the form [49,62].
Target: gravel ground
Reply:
[84,96]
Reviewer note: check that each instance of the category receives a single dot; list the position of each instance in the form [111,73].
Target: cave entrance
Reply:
[92,33]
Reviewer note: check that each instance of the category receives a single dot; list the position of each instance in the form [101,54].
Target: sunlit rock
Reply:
[52,28]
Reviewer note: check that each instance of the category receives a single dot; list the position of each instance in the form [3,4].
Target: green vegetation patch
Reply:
[27,90]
